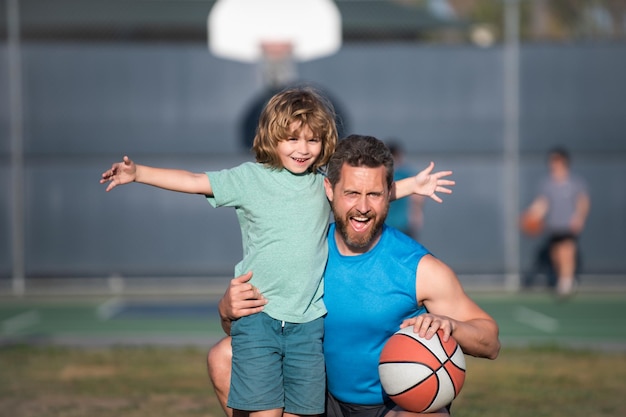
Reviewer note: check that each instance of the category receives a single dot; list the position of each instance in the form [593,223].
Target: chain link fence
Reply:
[96,78]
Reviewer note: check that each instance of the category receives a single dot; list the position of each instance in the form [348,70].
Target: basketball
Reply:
[421,375]
[531,225]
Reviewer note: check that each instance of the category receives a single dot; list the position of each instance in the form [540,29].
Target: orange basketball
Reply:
[421,375]
[531,225]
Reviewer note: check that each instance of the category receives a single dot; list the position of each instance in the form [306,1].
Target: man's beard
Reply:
[359,240]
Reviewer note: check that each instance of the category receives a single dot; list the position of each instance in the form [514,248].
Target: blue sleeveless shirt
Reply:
[367,297]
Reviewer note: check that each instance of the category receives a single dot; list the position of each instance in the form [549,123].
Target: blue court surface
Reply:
[594,321]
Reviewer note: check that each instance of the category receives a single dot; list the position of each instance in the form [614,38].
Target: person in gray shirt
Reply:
[563,204]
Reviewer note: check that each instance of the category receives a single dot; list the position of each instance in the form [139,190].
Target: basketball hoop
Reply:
[276,50]
[252,30]
[277,63]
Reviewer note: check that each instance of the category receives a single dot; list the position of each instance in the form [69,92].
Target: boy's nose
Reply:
[303,147]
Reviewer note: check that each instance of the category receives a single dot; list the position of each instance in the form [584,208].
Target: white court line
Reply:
[20,322]
[109,309]
[536,319]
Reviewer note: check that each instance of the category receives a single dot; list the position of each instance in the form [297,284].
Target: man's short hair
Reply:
[561,153]
[359,151]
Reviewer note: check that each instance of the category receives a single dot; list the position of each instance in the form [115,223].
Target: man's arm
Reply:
[425,183]
[451,310]
[583,204]
[240,299]
[538,208]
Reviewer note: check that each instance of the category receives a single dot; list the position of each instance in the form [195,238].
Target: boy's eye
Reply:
[314,140]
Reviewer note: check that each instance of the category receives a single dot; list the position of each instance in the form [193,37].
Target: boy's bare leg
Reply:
[300,415]
[277,412]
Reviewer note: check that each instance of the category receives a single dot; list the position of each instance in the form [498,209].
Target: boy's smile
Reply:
[298,152]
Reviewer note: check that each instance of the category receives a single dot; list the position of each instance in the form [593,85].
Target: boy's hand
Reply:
[119,174]
[428,184]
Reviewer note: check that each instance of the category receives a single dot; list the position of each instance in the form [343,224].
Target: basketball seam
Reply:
[426,346]
[416,362]
[434,397]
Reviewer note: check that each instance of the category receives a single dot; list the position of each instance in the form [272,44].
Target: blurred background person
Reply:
[404,214]
[561,205]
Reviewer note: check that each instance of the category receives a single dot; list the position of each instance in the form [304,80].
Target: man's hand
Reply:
[240,299]
[426,325]
[428,183]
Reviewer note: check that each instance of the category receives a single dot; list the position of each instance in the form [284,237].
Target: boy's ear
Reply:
[329,189]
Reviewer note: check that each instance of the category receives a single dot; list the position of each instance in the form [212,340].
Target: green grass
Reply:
[129,382]
[150,381]
[544,381]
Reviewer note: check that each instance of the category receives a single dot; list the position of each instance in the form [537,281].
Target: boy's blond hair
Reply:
[304,105]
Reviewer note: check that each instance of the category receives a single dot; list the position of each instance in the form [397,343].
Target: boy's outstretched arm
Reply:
[425,183]
[127,171]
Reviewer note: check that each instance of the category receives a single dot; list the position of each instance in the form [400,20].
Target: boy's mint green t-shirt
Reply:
[284,221]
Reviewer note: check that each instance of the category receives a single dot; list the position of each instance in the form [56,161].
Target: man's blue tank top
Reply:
[367,297]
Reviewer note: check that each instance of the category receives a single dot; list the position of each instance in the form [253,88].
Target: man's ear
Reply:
[329,189]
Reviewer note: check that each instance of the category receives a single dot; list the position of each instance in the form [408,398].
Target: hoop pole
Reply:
[17,149]
[511,144]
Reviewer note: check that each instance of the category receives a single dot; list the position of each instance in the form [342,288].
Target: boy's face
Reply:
[298,152]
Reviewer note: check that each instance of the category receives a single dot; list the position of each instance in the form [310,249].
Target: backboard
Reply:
[243,30]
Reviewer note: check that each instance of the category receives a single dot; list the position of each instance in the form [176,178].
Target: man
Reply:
[563,202]
[377,280]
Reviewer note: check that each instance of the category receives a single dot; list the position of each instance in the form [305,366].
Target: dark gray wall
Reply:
[86,105]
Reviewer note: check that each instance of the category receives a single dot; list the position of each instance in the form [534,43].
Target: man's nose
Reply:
[363,205]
